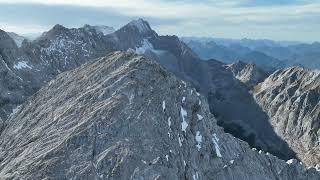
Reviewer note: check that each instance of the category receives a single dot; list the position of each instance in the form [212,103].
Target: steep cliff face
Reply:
[228,97]
[62,49]
[125,117]
[12,87]
[249,74]
[291,98]
[25,69]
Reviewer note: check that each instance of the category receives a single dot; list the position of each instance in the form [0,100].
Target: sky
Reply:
[289,20]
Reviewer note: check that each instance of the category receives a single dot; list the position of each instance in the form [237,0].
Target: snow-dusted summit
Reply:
[142,25]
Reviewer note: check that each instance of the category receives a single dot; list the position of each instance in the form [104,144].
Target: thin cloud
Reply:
[232,18]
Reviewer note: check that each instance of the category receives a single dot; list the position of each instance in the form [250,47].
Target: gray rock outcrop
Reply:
[125,117]
[291,98]
[62,49]
[249,74]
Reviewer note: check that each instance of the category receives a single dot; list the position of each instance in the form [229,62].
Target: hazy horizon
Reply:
[277,20]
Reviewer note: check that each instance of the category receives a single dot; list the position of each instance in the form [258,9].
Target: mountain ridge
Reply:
[291,98]
[124,130]
[64,49]
[280,54]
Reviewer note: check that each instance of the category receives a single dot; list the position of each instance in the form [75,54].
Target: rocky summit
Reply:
[124,98]
[25,69]
[291,98]
[60,49]
[125,117]
[249,74]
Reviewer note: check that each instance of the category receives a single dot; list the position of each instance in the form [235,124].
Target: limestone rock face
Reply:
[12,87]
[125,117]
[249,74]
[24,70]
[291,98]
[61,49]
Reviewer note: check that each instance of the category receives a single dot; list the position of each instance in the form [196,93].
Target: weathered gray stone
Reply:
[125,117]
[35,63]
[249,74]
[291,97]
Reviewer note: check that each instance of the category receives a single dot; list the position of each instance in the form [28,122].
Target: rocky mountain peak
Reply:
[141,25]
[8,47]
[4,36]
[106,85]
[56,30]
[2,32]
[138,27]
[238,66]
[291,98]
[125,117]
[17,38]
[249,74]
[59,27]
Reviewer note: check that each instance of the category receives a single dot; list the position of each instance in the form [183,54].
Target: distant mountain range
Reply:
[264,53]
[98,103]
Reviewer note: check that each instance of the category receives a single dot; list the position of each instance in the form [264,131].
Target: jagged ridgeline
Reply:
[291,97]
[126,116]
[28,68]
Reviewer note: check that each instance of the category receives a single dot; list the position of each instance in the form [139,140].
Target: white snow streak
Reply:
[184,123]
[290,161]
[195,176]
[163,106]
[180,141]
[199,117]
[199,140]
[215,141]
[184,83]
[183,99]
[155,160]
[169,122]
[21,65]
[147,46]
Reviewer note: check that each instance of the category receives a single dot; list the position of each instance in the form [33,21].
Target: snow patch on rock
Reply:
[180,141]
[290,161]
[22,65]
[184,123]
[147,46]
[215,141]
[199,140]
[169,122]
[163,106]
[199,117]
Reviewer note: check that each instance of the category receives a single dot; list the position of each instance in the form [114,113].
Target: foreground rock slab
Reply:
[125,117]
